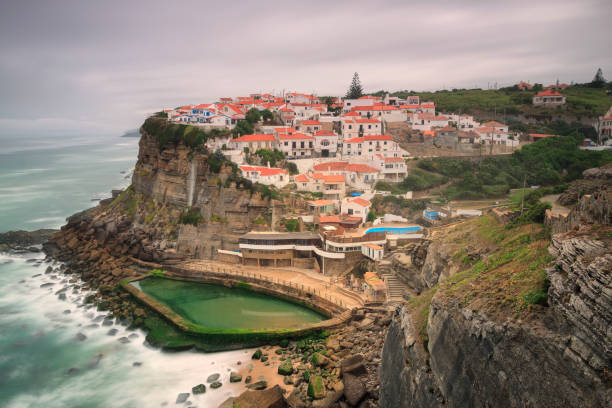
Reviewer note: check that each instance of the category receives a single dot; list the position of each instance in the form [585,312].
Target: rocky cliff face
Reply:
[559,357]
[143,221]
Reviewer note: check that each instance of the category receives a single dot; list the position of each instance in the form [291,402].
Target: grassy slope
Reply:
[582,101]
[510,282]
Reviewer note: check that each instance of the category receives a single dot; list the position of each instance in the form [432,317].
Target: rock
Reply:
[286,368]
[353,365]
[215,385]
[270,398]
[123,340]
[182,397]
[264,359]
[46,285]
[259,385]
[256,355]
[73,371]
[107,322]
[235,377]
[112,332]
[316,387]
[136,364]
[354,391]
[319,360]
[80,337]
[213,377]
[332,344]
[248,379]
[358,314]
[328,401]
[198,389]
[287,380]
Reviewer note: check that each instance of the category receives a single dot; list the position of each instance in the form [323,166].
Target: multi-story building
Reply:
[366,147]
[254,142]
[270,176]
[296,145]
[325,143]
[356,127]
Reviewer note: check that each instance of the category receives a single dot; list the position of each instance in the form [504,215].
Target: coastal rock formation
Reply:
[560,356]
[593,180]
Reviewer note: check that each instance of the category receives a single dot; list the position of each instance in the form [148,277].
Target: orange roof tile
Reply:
[360,201]
[254,138]
[330,219]
[263,171]
[320,203]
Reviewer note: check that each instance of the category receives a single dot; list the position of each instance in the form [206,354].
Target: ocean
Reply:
[57,352]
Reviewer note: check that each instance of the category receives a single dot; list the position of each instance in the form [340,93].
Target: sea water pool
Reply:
[218,307]
[394,230]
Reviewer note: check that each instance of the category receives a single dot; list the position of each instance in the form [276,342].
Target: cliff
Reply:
[526,326]
[183,202]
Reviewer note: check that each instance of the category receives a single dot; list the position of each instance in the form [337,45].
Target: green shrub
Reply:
[191,216]
[157,272]
[292,225]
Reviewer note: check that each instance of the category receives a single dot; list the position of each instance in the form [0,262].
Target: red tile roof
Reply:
[361,168]
[294,136]
[264,171]
[360,201]
[325,133]
[330,166]
[367,138]
[320,203]
[548,93]
[254,138]
[330,219]
[494,124]
[310,122]
[302,178]
[335,178]
[393,159]
[540,135]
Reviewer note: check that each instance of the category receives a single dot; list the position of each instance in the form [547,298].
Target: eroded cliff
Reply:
[527,326]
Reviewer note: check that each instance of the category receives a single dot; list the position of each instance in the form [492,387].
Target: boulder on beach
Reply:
[286,368]
[316,388]
[256,355]
[213,377]
[270,398]
[235,377]
[199,389]
[182,397]
[215,385]
[354,390]
[259,385]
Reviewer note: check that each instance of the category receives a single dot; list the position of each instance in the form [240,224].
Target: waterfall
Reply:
[191,183]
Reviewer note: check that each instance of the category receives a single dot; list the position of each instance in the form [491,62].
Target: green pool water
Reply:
[218,307]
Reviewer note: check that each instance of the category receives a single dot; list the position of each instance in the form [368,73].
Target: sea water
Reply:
[58,352]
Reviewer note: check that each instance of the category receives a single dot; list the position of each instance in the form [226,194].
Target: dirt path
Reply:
[557,209]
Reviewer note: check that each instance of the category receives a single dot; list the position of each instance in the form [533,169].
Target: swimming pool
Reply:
[394,230]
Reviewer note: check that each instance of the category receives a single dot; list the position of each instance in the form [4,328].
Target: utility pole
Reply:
[523,195]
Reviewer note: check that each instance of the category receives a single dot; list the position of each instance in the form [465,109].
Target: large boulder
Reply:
[270,398]
[353,365]
[286,368]
[316,388]
[354,390]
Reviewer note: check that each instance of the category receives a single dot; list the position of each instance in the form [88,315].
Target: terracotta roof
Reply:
[329,166]
[302,178]
[494,124]
[368,138]
[372,279]
[409,106]
[428,105]
[393,159]
[320,203]
[360,201]
[428,133]
[335,178]
[548,93]
[294,136]
[373,246]
[310,122]
[325,133]
[370,108]
[361,168]
[447,129]
[328,219]
[254,138]
[351,113]
[264,171]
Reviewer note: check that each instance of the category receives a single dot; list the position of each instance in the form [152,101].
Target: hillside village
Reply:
[342,162]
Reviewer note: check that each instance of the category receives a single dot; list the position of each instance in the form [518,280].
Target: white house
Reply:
[355,127]
[254,142]
[296,145]
[355,207]
[325,143]
[349,104]
[266,175]
[372,251]
[308,126]
[366,147]
[548,98]
[357,175]
[391,168]
[387,113]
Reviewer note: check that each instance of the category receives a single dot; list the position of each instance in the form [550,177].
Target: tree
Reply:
[355,90]
[598,80]
[266,115]
[243,127]
[371,216]
[253,116]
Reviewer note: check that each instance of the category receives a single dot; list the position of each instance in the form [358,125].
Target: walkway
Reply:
[309,280]
[395,288]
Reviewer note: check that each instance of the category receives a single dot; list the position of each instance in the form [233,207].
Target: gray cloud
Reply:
[78,63]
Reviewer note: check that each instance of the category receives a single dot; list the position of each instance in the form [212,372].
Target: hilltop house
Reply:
[366,147]
[254,142]
[391,168]
[356,127]
[325,143]
[296,145]
[548,98]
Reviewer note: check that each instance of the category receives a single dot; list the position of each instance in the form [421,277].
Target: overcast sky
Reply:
[101,66]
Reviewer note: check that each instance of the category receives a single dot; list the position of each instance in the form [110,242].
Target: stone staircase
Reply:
[395,288]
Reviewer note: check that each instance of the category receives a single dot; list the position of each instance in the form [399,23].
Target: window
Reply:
[350,126]
[293,145]
[286,143]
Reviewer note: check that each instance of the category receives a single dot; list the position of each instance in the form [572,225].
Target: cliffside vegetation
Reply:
[174,133]
[582,101]
[509,279]
[552,161]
